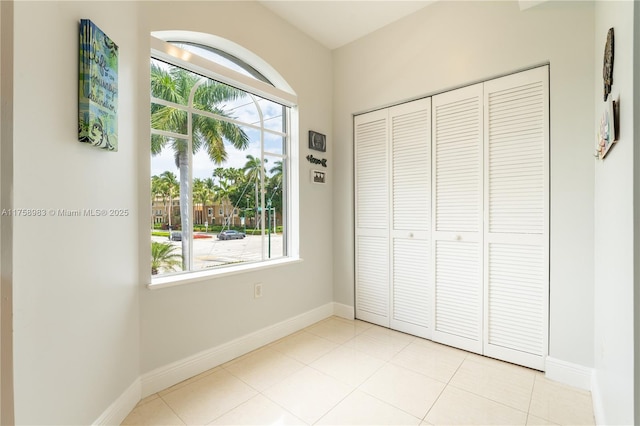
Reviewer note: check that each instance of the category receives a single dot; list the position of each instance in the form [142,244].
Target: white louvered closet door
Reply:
[410,140]
[372,217]
[516,241]
[457,218]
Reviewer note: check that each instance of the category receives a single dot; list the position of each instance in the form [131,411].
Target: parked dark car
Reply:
[231,234]
[176,236]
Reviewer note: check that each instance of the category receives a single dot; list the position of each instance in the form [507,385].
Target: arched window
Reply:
[220,158]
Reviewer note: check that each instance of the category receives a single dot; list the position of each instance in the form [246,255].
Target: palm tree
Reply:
[274,187]
[157,190]
[254,170]
[239,183]
[185,88]
[223,192]
[236,176]
[276,172]
[163,256]
[201,194]
[210,185]
[220,173]
[168,183]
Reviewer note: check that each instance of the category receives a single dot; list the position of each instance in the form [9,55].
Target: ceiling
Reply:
[336,23]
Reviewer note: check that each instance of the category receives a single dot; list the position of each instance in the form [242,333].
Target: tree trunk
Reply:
[187,228]
[255,216]
[170,210]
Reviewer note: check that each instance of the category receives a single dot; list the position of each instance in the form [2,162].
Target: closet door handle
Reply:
[458,237]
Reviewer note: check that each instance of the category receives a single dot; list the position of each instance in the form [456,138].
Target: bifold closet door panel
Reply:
[457,148]
[516,241]
[410,139]
[372,217]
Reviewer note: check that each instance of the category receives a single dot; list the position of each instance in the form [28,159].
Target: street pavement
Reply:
[211,252]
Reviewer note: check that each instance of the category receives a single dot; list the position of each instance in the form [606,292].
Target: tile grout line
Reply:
[171,408]
[283,408]
[357,387]
[224,413]
[338,345]
[390,363]
[446,385]
[491,399]
[261,392]
[535,379]
[332,408]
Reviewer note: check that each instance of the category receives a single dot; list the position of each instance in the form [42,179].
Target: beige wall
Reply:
[449,44]
[75,279]
[614,226]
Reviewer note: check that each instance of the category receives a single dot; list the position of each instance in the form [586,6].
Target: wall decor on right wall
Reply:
[318,176]
[606,133]
[317,141]
[607,66]
[606,130]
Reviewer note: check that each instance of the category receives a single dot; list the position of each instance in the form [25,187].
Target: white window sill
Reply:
[192,277]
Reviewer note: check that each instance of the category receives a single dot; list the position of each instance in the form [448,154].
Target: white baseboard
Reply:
[121,407]
[569,373]
[344,311]
[596,397]
[163,377]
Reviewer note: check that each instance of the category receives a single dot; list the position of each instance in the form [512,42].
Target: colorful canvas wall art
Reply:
[98,88]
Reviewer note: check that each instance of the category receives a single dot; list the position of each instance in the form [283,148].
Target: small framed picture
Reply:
[317,141]
[606,136]
[318,176]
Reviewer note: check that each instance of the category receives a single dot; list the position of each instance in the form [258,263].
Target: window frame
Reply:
[169,53]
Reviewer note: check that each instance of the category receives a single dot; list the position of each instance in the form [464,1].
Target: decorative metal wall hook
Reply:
[314,160]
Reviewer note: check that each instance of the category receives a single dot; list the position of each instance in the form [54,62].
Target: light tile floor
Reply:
[341,372]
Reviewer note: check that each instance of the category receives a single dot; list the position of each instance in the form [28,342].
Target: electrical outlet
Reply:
[257,290]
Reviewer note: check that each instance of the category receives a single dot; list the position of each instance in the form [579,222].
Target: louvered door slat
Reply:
[371,173]
[457,218]
[372,290]
[372,217]
[517,217]
[457,141]
[458,291]
[410,133]
[516,301]
[410,281]
[410,137]
[513,170]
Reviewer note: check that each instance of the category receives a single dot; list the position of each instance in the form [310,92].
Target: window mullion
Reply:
[188,208]
[168,134]
[262,173]
[169,104]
